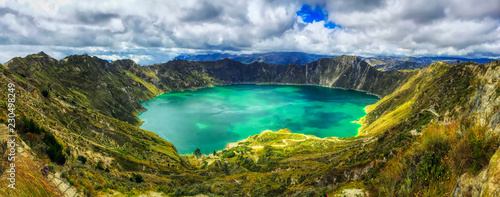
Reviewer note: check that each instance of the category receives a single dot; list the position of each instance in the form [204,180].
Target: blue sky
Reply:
[310,15]
[316,14]
[156,31]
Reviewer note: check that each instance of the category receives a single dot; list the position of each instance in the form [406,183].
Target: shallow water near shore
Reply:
[209,118]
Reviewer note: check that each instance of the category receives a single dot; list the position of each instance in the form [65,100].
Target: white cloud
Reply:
[155,31]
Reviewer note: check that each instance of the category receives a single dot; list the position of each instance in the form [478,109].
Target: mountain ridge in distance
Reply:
[280,58]
[389,63]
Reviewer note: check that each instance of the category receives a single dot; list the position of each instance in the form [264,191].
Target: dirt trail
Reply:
[433,111]
[62,185]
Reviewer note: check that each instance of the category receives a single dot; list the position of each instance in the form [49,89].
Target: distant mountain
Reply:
[385,63]
[396,63]
[279,58]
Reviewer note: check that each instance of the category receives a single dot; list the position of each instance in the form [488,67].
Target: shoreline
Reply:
[278,84]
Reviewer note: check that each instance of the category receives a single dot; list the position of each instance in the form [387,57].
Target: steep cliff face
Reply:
[485,105]
[485,183]
[485,101]
[348,72]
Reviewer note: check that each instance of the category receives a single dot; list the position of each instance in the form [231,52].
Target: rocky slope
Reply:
[90,105]
[395,63]
[455,109]
[348,72]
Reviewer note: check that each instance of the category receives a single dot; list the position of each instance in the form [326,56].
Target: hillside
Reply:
[395,63]
[90,106]
[346,72]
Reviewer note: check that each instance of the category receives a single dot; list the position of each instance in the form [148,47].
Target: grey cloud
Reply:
[4,10]
[369,27]
[137,24]
[424,13]
[205,11]
[355,5]
[476,9]
[18,28]
[94,18]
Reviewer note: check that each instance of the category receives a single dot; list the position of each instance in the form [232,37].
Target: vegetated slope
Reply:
[80,112]
[395,63]
[280,58]
[456,110]
[440,125]
[85,102]
[90,106]
[26,182]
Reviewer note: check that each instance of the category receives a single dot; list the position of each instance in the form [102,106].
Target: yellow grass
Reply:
[29,181]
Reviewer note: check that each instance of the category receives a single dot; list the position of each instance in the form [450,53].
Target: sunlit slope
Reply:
[89,106]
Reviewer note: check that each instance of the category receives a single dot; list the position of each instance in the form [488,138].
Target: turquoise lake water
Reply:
[209,118]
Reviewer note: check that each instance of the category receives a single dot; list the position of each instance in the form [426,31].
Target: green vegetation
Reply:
[441,155]
[416,141]
[82,159]
[197,153]
[32,132]
[45,93]
[137,178]
[99,165]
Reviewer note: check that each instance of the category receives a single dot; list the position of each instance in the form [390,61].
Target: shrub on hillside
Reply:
[45,93]
[439,157]
[136,178]
[81,159]
[100,165]
[473,148]
[32,132]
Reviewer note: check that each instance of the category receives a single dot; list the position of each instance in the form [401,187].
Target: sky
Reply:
[156,31]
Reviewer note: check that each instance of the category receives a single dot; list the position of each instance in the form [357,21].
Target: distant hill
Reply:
[279,58]
[385,63]
[396,63]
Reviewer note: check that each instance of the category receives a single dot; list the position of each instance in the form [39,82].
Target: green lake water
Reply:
[209,118]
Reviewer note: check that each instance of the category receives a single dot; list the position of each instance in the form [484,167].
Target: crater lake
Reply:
[209,118]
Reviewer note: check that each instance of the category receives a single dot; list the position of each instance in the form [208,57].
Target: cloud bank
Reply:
[156,31]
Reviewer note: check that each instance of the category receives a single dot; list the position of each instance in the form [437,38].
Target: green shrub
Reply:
[473,149]
[431,168]
[99,165]
[55,149]
[81,159]
[136,178]
[178,192]
[228,154]
[45,93]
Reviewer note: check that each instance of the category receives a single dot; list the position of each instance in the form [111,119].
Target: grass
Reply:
[29,180]
[388,120]
[441,155]
[149,86]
